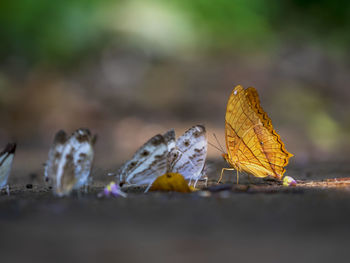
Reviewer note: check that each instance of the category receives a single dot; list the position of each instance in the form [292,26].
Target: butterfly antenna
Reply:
[219,149]
[216,138]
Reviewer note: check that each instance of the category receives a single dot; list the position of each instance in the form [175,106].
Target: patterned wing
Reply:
[70,161]
[169,138]
[149,162]
[188,158]
[83,156]
[6,158]
[55,154]
[252,143]
[65,176]
[274,148]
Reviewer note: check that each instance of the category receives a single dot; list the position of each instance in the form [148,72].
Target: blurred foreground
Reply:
[284,224]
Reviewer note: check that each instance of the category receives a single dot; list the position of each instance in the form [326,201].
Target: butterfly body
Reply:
[70,161]
[253,146]
[6,159]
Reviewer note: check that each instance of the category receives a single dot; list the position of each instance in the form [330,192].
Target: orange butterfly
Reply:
[252,143]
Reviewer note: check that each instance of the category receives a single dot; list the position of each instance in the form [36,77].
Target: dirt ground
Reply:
[252,222]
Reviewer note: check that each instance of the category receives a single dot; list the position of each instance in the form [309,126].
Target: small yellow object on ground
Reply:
[171,182]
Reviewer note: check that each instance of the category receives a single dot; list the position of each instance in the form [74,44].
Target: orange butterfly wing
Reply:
[252,143]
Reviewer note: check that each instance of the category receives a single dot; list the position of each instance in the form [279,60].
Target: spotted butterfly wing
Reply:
[55,154]
[188,157]
[70,161]
[83,142]
[170,140]
[149,162]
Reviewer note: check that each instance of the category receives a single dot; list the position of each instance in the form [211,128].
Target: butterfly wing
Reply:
[65,176]
[149,162]
[188,157]
[55,154]
[252,143]
[70,161]
[83,156]
[169,138]
[6,158]
[272,145]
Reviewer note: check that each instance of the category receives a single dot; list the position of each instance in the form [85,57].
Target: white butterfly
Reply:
[162,153]
[188,156]
[70,161]
[6,158]
[149,162]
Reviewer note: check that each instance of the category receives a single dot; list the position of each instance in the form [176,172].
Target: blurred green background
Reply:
[131,69]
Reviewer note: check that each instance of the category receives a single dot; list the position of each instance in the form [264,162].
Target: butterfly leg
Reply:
[237,176]
[148,187]
[206,180]
[8,189]
[250,179]
[87,184]
[86,188]
[222,171]
[195,183]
